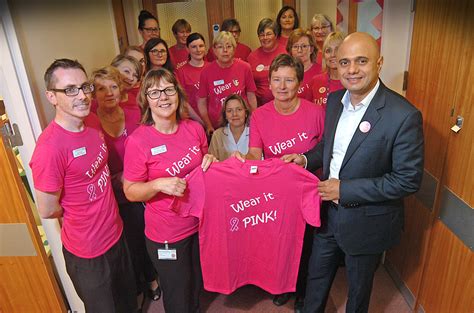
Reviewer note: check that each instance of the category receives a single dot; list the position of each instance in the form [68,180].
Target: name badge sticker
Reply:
[79,152]
[158,150]
[218,82]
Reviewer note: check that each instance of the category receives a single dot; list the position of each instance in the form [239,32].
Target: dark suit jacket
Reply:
[380,167]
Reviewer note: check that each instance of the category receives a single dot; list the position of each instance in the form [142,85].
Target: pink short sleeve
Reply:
[310,199]
[203,87]
[134,163]
[251,87]
[192,202]
[48,168]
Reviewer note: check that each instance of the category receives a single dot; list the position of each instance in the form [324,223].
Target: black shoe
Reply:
[282,299]
[299,304]
[154,295]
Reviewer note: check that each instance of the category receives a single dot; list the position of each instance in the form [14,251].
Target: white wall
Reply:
[308,8]
[396,42]
[51,29]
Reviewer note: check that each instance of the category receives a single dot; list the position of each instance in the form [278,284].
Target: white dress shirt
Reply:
[350,119]
[242,145]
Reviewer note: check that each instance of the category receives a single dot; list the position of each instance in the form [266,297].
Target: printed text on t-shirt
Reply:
[277,148]
[254,219]
[177,166]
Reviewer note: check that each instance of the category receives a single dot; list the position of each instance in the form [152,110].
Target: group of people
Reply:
[113,174]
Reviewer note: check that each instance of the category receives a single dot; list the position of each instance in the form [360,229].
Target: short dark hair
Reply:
[152,78]
[229,23]
[280,13]
[50,79]
[285,60]
[266,23]
[150,44]
[194,36]
[180,24]
[143,17]
[239,98]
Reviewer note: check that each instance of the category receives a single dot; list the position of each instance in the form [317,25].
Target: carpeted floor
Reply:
[385,298]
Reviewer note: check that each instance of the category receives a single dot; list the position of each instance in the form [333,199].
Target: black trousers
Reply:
[323,265]
[181,279]
[106,283]
[134,229]
[304,262]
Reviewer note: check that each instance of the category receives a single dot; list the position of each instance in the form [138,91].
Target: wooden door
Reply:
[434,260]
[27,282]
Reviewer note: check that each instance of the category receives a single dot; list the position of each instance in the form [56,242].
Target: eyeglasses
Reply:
[302,47]
[151,29]
[156,93]
[74,90]
[158,52]
[222,47]
[323,27]
[266,35]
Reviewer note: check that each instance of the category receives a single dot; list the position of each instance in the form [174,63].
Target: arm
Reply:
[406,169]
[48,204]
[254,154]
[193,115]
[202,106]
[252,99]
[144,191]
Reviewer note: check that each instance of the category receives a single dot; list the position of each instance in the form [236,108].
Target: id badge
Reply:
[167,254]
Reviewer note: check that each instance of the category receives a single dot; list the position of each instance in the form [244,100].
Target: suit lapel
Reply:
[332,120]
[372,116]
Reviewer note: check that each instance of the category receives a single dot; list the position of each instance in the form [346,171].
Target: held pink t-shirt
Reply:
[251,226]
[116,147]
[76,164]
[260,62]
[242,51]
[305,86]
[150,154]
[218,83]
[178,56]
[277,134]
[189,76]
[322,86]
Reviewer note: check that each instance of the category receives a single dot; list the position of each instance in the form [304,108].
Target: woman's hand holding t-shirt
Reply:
[173,186]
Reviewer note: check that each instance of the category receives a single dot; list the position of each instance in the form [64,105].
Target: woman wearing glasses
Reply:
[148,27]
[328,81]
[157,55]
[117,124]
[261,58]
[287,20]
[158,155]
[178,53]
[303,125]
[301,46]
[221,78]
[321,26]
[232,26]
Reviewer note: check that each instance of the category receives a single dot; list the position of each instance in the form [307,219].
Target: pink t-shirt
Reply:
[76,165]
[116,147]
[178,56]
[251,226]
[277,134]
[150,154]
[218,83]
[283,41]
[305,86]
[188,77]
[241,52]
[322,86]
[260,62]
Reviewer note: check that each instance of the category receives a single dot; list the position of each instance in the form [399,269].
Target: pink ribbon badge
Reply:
[364,126]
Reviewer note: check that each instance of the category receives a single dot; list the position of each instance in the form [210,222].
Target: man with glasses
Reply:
[72,181]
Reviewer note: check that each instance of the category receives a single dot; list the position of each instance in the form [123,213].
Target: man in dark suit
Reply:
[372,156]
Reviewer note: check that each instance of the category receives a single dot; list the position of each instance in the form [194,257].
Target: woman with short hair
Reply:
[221,78]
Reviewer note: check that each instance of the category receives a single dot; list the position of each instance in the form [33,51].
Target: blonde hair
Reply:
[332,37]
[109,73]
[323,18]
[224,36]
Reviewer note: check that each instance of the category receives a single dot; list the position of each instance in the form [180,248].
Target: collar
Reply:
[346,100]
